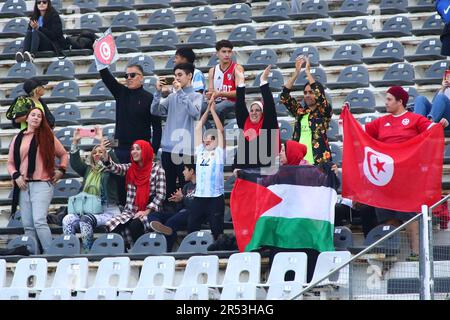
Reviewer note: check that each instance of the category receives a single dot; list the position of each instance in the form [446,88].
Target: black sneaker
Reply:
[160,228]
[19,57]
[28,56]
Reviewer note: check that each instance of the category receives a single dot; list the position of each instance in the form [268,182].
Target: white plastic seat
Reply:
[288,261]
[153,293]
[2,272]
[198,267]
[13,294]
[328,261]
[112,272]
[30,273]
[242,291]
[157,271]
[97,293]
[284,290]
[55,294]
[71,273]
[241,263]
[198,292]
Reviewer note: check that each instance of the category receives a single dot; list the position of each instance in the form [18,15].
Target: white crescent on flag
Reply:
[378,167]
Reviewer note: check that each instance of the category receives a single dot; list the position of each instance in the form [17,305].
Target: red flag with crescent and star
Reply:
[397,176]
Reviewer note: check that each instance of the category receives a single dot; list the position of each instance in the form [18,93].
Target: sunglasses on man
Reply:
[42,2]
[131,75]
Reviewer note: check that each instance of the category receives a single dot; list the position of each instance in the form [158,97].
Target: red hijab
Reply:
[295,152]
[253,130]
[140,176]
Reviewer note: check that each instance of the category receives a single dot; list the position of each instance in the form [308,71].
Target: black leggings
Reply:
[37,41]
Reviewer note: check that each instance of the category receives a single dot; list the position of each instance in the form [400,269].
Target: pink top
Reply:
[39,173]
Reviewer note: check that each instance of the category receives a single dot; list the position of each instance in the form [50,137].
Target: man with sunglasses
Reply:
[134,121]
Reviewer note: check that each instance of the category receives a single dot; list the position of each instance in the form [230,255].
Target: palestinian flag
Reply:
[291,209]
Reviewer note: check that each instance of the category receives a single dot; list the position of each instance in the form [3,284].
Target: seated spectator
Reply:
[187,55]
[44,32]
[146,191]
[96,181]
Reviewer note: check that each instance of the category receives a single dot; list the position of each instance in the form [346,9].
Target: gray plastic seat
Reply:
[150,243]
[163,40]
[10,49]
[318,74]
[19,72]
[15,28]
[260,59]
[398,26]
[333,131]
[196,242]
[286,130]
[98,93]
[412,92]
[88,22]
[393,6]
[23,240]
[59,70]
[66,91]
[275,11]
[15,221]
[355,30]
[103,113]
[109,131]
[243,36]
[351,8]
[67,115]
[311,9]
[386,52]
[65,189]
[422,6]
[200,38]
[152,4]
[336,154]
[128,42]
[343,238]
[236,14]
[361,101]
[150,84]
[434,74]
[117,5]
[366,119]
[213,61]
[390,246]
[344,55]
[433,25]
[84,6]
[309,51]
[64,136]
[146,62]
[109,244]
[277,34]
[197,17]
[92,72]
[351,77]
[399,74]
[275,79]
[429,49]
[15,92]
[316,32]
[187,3]
[124,21]
[160,19]
[13,8]
[65,244]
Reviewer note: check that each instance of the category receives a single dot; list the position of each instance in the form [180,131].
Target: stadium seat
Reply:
[17,91]
[276,82]
[429,49]
[366,119]
[355,30]
[66,91]
[108,131]
[64,136]
[84,6]
[168,68]
[125,21]
[308,51]
[386,52]
[260,59]
[152,293]
[393,6]
[285,262]
[201,270]
[55,294]
[65,189]
[231,133]
[57,4]
[361,101]
[187,3]
[67,115]
[34,268]
[2,272]
[343,238]
[390,246]
[160,19]
[71,273]
[15,221]
[318,74]
[241,291]
[433,25]
[99,92]
[277,34]
[196,242]
[59,70]
[434,74]
[95,293]
[399,74]
[152,4]
[88,22]
[161,41]
[311,9]
[92,72]
[13,8]
[412,92]
[336,153]
[157,271]
[398,26]
[103,113]
[275,11]
[128,42]
[351,8]
[315,32]
[236,14]
[113,273]
[110,244]
[10,49]
[243,265]
[447,154]
[344,55]
[286,130]
[243,36]
[19,72]
[328,261]
[15,28]
[28,241]
[197,17]
[351,77]
[117,5]
[333,131]
[284,291]
[214,2]
[150,84]
[65,245]
[13,294]
[150,243]
[212,63]
[422,6]
[146,62]
[198,292]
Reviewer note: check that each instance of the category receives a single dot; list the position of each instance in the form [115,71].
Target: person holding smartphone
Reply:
[439,108]
[44,33]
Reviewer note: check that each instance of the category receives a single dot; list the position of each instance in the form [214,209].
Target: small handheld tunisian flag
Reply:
[105,51]
[292,209]
[396,176]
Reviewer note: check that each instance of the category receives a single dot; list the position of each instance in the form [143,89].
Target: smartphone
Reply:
[89,133]
[447,75]
[169,80]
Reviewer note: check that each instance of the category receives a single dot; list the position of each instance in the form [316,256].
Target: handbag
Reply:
[85,203]
[19,107]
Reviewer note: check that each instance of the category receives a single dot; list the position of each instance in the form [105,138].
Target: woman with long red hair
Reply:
[31,164]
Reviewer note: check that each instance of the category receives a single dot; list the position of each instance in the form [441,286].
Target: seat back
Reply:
[127,18]
[91,20]
[113,273]
[23,70]
[263,56]
[429,46]
[128,3]
[2,273]
[399,23]
[355,5]
[200,14]
[67,89]
[389,49]
[22,240]
[71,273]
[343,238]
[55,294]
[319,28]
[328,261]
[197,242]
[437,69]
[14,294]
[275,79]
[150,243]
[166,37]
[201,270]
[13,46]
[149,293]
[333,130]
[215,60]
[95,293]
[14,6]
[277,8]
[361,99]
[105,110]
[318,74]
[165,16]
[129,40]
[412,92]
[170,63]
[308,51]
[279,31]
[93,68]
[61,67]
[239,11]
[366,119]
[433,22]
[64,136]
[246,291]
[244,267]
[109,131]
[399,4]
[146,62]
[286,130]
[30,273]
[199,292]
[392,243]
[336,153]
[15,221]
[315,6]
[19,25]
[110,244]
[67,188]
[358,74]
[285,262]
[101,89]
[203,35]
[157,271]
[87,4]
[67,112]
[243,33]
[358,26]
[348,51]
[150,84]
[284,291]
[399,71]
[65,245]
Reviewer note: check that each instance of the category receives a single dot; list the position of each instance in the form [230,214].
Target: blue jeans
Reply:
[438,109]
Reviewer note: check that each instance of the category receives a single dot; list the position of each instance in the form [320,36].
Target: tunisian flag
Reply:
[397,176]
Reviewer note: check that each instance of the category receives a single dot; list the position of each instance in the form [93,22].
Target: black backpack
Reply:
[83,41]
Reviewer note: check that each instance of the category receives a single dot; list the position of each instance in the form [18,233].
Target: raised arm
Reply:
[198,134]
[111,83]
[159,106]
[298,68]
[219,126]
[76,163]
[241,107]
[270,114]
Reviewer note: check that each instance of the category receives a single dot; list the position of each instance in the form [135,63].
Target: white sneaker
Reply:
[19,56]
[28,56]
